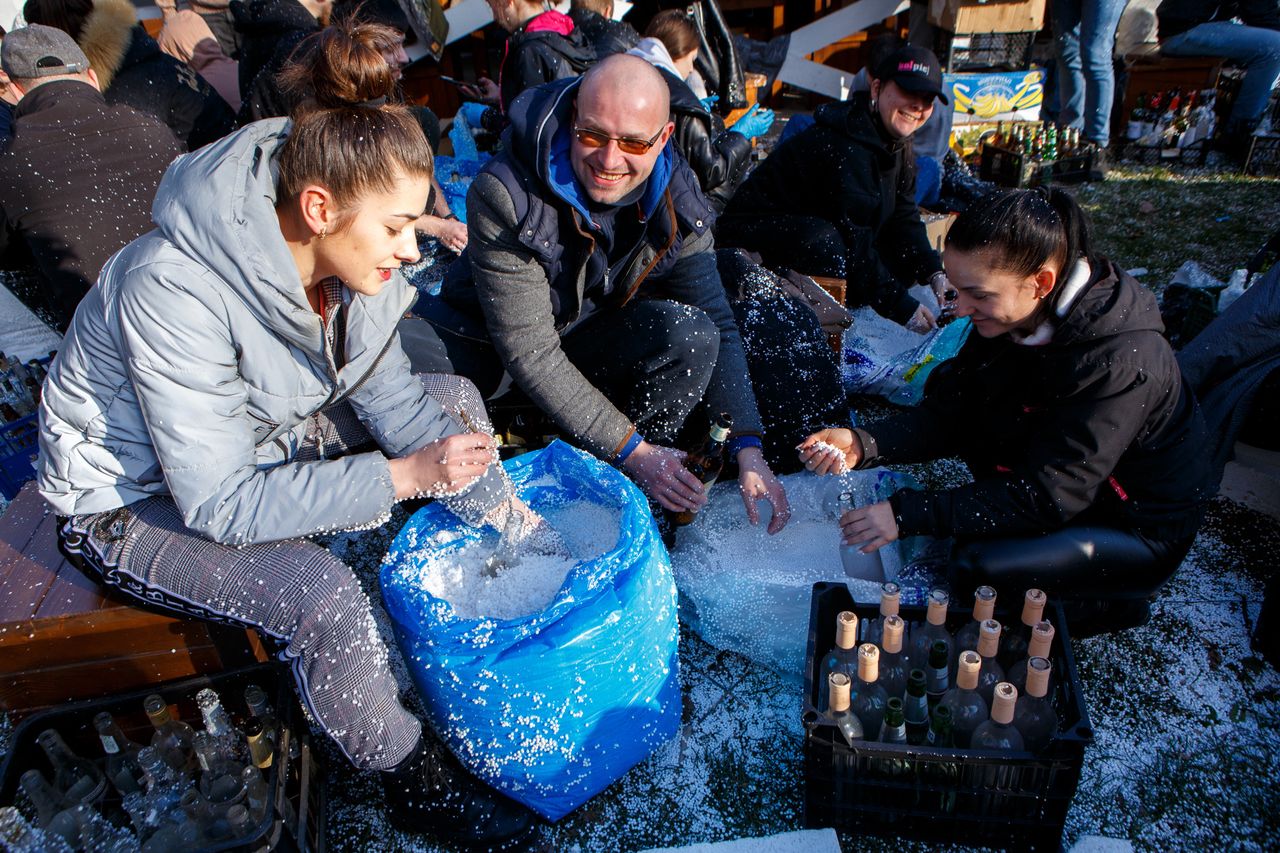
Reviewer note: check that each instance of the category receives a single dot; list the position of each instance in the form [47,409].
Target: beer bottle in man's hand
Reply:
[707,462]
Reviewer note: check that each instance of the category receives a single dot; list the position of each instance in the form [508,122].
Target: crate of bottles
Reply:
[215,763]
[911,779]
[19,397]
[1032,153]
[1264,155]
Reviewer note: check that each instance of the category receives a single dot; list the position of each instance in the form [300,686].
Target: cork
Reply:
[1041,639]
[967,676]
[989,638]
[838,692]
[1038,671]
[890,598]
[1033,607]
[892,637]
[938,601]
[984,603]
[1003,702]
[868,663]
[846,629]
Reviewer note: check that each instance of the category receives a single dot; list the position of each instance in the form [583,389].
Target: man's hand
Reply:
[871,527]
[922,321]
[660,472]
[757,482]
[484,90]
[831,451]
[446,466]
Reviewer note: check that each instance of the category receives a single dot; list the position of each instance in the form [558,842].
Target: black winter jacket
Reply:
[134,72]
[605,36]
[1178,16]
[79,177]
[845,170]
[269,31]
[719,157]
[1096,426]
[534,58]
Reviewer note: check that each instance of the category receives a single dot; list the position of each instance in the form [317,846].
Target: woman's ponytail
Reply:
[1022,230]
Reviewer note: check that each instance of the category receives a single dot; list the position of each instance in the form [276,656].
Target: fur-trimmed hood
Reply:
[107,37]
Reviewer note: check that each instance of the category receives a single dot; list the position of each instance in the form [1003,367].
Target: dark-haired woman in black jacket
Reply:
[1086,445]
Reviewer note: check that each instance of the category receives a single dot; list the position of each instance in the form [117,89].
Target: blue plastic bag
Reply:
[553,707]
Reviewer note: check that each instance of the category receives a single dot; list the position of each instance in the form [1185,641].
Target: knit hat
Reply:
[40,51]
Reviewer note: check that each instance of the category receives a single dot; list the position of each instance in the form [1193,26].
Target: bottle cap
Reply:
[847,629]
[989,638]
[890,597]
[984,603]
[967,675]
[1038,671]
[938,601]
[157,710]
[868,662]
[1033,607]
[1041,639]
[837,692]
[891,639]
[1003,702]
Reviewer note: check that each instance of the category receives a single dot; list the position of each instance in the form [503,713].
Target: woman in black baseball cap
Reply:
[837,200]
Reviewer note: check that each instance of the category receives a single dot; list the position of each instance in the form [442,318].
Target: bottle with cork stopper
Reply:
[869,699]
[968,709]
[843,657]
[890,598]
[894,667]
[1041,642]
[932,630]
[838,709]
[999,733]
[984,608]
[992,673]
[1016,640]
[1034,716]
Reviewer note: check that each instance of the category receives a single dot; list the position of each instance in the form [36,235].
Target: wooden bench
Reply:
[64,637]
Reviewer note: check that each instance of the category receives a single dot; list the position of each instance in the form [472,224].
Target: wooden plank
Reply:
[983,16]
[98,636]
[18,525]
[71,594]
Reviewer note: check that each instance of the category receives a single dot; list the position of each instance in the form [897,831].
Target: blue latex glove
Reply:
[471,112]
[756,122]
[710,101]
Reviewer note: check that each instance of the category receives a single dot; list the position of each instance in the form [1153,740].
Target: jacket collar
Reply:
[51,94]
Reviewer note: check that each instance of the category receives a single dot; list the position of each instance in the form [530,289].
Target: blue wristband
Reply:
[739,442]
[632,443]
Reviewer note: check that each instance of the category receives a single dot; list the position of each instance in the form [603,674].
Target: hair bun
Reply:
[344,65]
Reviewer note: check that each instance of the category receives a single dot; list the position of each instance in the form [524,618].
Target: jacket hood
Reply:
[1113,302]
[217,205]
[539,139]
[108,36]
[266,18]
[181,33]
[560,36]
[654,52]
[550,21]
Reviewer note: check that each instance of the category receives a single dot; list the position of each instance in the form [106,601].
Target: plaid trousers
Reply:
[292,591]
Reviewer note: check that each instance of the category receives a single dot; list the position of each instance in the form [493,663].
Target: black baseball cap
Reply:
[914,69]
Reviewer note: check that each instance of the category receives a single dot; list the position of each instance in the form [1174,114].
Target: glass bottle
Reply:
[941,728]
[992,672]
[937,673]
[984,608]
[257,791]
[165,786]
[17,835]
[123,769]
[1014,643]
[707,462]
[894,727]
[933,629]
[238,822]
[915,707]
[838,709]
[172,737]
[219,774]
[1041,642]
[890,598]
[999,733]
[261,753]
[868,697]
[843,657]
[231,743]
[255,699]
[1034,716]
[968,708]
[77,779]
[894,667]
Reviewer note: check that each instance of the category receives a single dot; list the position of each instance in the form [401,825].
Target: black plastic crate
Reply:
[957,796]
[18,448]
[1009,168]
[1195,154]
[983,51]
[1264,154]
[296,823]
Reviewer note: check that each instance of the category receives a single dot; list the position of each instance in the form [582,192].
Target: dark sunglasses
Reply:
[627,145]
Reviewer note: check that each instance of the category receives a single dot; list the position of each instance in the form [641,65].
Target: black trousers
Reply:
[1083,563]
[652,358]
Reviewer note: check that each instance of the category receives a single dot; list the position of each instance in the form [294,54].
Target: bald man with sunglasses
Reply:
[590,284]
